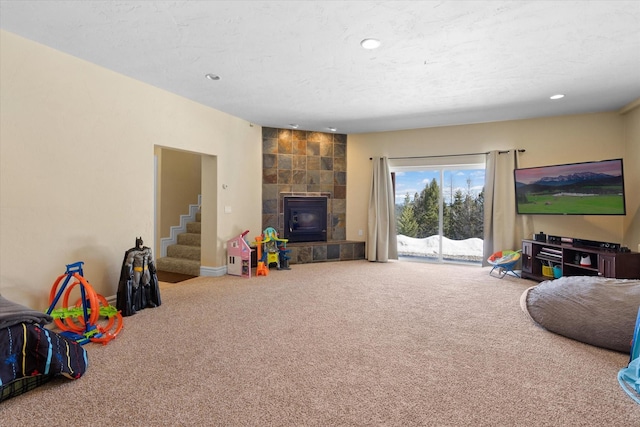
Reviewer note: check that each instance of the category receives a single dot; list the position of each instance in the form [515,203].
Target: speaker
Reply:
[597,244]
[613,246]
[541,237]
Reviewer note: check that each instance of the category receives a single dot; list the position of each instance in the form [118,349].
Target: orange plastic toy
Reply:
[262,269]
[87,310]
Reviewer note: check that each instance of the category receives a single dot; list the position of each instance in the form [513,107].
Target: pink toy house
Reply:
[239,256]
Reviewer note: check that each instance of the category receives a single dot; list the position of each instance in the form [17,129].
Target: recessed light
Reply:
[332,129]
[557,96]
[370,43]
[212,76]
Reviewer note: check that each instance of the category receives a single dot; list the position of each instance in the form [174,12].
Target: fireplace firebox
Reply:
[305,219]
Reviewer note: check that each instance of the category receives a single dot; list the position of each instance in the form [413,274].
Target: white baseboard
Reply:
[213,271]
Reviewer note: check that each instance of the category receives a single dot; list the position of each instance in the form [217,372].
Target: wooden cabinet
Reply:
[622,265]
[527,257]
[577,261]
[607,265]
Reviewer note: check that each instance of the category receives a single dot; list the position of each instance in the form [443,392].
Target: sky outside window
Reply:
[413,182]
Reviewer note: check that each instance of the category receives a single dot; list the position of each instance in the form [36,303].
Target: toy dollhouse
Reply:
[239,256]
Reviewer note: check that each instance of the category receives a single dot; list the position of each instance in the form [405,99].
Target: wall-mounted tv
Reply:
[589,188]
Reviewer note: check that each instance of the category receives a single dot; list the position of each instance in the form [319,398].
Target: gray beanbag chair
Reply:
[12,313]
[594,310]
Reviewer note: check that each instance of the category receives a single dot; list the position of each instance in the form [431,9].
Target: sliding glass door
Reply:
[439,212]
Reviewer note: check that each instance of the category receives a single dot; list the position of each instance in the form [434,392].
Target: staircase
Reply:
[184,257]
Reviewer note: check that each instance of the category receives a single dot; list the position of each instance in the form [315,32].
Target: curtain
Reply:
[503,228]
[382,242]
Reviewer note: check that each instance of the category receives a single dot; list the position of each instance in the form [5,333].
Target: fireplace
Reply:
[305,219]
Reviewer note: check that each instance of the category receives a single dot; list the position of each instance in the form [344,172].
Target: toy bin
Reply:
[557,272]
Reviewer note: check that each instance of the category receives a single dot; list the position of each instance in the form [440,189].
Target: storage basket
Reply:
[557,272]
[547,271]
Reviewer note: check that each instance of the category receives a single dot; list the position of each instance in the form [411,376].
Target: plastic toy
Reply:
[629,377]
[239,256]
[284,258]
[87,311]
[138,286]
[504,261]
[272,250]
[262,269]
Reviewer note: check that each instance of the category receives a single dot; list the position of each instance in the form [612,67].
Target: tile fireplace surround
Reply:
[302,163]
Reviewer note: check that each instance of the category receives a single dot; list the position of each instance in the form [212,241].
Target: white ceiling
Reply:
[282,62]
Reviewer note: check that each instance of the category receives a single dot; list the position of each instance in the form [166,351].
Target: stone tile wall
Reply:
[301,163]
[303,253]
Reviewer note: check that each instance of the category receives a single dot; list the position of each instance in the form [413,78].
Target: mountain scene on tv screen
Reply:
[579,193]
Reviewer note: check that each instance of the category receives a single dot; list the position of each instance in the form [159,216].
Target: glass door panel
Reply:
[439,213]
[418,197]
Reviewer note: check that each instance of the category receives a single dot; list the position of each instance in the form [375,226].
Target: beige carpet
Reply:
[344,343]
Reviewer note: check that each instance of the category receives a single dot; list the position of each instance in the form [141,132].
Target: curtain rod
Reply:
[520,150]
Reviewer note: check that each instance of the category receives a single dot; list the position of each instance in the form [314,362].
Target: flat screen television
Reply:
[589,188]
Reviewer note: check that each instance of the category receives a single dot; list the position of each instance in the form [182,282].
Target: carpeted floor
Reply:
[338,344]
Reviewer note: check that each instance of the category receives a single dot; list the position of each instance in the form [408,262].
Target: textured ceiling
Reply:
[440,62]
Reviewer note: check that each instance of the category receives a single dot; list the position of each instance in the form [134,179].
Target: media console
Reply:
[577,260]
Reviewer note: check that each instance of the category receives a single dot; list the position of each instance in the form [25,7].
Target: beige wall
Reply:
[77,168]
[547,141]
[632,176]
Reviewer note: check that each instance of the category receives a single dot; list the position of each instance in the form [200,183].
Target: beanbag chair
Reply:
[595,310]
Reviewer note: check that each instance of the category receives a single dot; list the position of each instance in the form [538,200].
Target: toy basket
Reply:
[557,272]
[547,271]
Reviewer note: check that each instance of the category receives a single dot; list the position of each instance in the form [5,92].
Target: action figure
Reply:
[138,287]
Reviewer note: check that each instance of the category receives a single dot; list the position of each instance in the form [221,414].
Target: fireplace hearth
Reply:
[305,219]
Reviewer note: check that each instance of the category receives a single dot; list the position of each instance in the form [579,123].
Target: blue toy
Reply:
[629,377]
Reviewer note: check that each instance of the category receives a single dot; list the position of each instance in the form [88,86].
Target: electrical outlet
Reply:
[227,209]
[360,233]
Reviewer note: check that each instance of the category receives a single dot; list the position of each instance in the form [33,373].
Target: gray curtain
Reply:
[382,242]
[503,228]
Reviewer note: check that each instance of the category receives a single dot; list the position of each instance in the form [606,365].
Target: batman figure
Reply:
[138,286]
